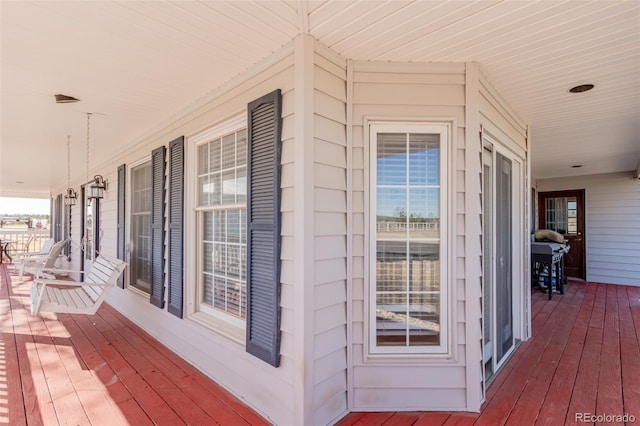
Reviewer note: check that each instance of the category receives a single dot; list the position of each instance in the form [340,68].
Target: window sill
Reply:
[229,331]
[419,360]
[138,293]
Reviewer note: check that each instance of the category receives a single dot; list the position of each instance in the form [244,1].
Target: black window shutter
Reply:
[67,230]
[83,224]
[158,157]
[176,213]
[96,226]
[122,174]
[263,227]
[57,236]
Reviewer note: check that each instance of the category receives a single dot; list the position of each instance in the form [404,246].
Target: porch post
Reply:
[473,234]
[303,217]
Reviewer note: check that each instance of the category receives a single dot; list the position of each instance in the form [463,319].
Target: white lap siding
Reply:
[267,389]
[402,92]
[329,237]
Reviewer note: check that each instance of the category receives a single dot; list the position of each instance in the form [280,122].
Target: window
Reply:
[140,245]
[408,256]
[562,215]
[90,224]
[221,218]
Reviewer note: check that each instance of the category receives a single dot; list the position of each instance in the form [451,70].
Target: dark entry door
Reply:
[563,212]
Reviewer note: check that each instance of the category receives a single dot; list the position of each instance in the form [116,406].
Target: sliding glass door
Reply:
[504,259]
[502,254]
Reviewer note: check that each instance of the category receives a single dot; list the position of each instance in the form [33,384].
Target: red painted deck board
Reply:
[526,408]
[559,393]
[98,370]
[102,369]
[585,389]
[584,355]
[628,302]
[609,397]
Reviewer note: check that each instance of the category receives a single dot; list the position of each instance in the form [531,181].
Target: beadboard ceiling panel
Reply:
[136,65]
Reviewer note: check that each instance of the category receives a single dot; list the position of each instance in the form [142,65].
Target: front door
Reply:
[563,212]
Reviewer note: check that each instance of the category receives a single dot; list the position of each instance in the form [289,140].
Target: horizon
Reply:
[12,206]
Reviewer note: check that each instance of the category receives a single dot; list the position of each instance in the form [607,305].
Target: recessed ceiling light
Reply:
[65,99]
[581,88]
[576,166]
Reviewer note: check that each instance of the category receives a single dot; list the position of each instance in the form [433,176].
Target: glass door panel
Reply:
[487,293]
[504,257]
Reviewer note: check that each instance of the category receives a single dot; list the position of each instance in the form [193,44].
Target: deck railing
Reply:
[23,240]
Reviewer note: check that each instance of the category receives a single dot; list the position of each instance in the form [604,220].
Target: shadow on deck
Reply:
[98,369]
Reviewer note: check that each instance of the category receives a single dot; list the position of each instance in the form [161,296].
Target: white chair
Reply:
[44,250]
[34,263]
[48,295]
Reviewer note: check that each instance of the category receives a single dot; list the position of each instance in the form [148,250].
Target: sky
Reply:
[14,206]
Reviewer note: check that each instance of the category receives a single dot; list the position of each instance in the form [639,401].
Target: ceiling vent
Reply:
[64,99]
[581,88]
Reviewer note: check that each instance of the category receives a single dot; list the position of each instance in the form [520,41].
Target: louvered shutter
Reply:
[83,226]
[122,173]
[158,157]
[176,214]
[263,227]
[96,226]
[67,230]
[57,236]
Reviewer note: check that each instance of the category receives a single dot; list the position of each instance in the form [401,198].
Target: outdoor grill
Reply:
[547,265]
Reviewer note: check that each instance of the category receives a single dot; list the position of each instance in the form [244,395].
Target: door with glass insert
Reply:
[563,212]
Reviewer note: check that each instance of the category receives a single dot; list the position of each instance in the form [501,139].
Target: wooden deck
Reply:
[103,370]
[98,370]
[584,358]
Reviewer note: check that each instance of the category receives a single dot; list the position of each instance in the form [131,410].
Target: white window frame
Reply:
[444,129]
[129,226]
[225,324]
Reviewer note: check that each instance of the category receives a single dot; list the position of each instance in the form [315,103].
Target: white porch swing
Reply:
[84,297]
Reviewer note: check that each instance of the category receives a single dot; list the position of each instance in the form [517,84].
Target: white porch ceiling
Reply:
[137,64]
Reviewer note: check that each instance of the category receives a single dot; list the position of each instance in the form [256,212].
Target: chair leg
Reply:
[35,300]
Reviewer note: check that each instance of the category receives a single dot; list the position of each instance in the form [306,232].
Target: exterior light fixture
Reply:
[581,88]
[70,197]
[98,187]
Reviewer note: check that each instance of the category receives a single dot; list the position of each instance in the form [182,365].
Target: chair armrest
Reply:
[31,253]
[41,271]
[46,281]
[60,270]
[30,257]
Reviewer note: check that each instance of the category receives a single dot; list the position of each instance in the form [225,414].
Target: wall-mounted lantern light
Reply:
[98,187]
